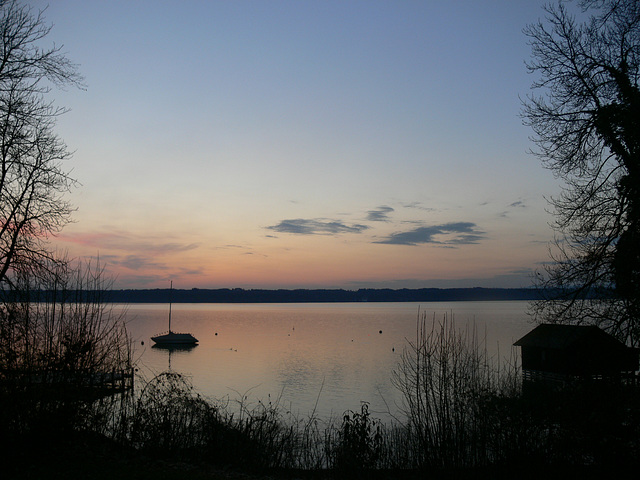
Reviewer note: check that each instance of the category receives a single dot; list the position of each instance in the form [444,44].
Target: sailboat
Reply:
[172,338]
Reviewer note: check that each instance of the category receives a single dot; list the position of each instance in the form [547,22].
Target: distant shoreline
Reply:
[239,295]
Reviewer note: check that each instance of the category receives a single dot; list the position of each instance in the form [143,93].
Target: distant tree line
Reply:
[239,295]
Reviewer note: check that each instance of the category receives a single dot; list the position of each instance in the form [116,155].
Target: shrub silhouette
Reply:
[359,445]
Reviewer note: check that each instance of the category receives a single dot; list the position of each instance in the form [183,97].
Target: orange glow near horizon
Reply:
[304,262]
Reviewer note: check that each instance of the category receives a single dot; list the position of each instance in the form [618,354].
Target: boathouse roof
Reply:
[575,350]
[556,336]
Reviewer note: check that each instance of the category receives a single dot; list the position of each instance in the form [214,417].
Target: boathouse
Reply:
[562,353]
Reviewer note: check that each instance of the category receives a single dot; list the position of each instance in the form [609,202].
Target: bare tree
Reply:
[587,131]
[64,351]
[32,178]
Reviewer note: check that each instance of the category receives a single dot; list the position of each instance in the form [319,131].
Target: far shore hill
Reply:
[239,295]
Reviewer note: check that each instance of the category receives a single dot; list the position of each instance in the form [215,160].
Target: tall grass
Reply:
[450,386]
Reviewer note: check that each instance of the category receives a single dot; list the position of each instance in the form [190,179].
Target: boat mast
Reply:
[170,293]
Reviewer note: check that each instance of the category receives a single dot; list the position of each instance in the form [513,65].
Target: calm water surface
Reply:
[322,358]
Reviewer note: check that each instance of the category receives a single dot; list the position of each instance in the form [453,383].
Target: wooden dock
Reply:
[82,382]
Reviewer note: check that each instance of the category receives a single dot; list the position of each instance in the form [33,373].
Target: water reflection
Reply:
[173,349]
[315,357]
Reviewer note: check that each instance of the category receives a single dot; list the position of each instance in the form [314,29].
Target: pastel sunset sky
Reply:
[302,144]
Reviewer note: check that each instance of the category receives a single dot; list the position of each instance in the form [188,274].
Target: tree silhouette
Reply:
[587,131]
[32,178]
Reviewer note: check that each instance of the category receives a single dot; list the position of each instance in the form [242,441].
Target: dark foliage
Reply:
[359,445]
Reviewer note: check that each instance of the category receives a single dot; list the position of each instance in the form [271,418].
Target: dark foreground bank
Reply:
[93,457]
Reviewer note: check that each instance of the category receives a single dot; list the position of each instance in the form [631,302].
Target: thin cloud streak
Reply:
[301,226]
[380,214]
[127,241]
[418,206]
[138,262]
[516,204]
[449,234]
[143,263]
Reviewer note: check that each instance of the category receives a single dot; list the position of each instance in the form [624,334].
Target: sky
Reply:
[302,144]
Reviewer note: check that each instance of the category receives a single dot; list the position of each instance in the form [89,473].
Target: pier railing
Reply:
[558,379]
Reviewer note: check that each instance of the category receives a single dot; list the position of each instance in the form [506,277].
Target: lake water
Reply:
[323,358]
